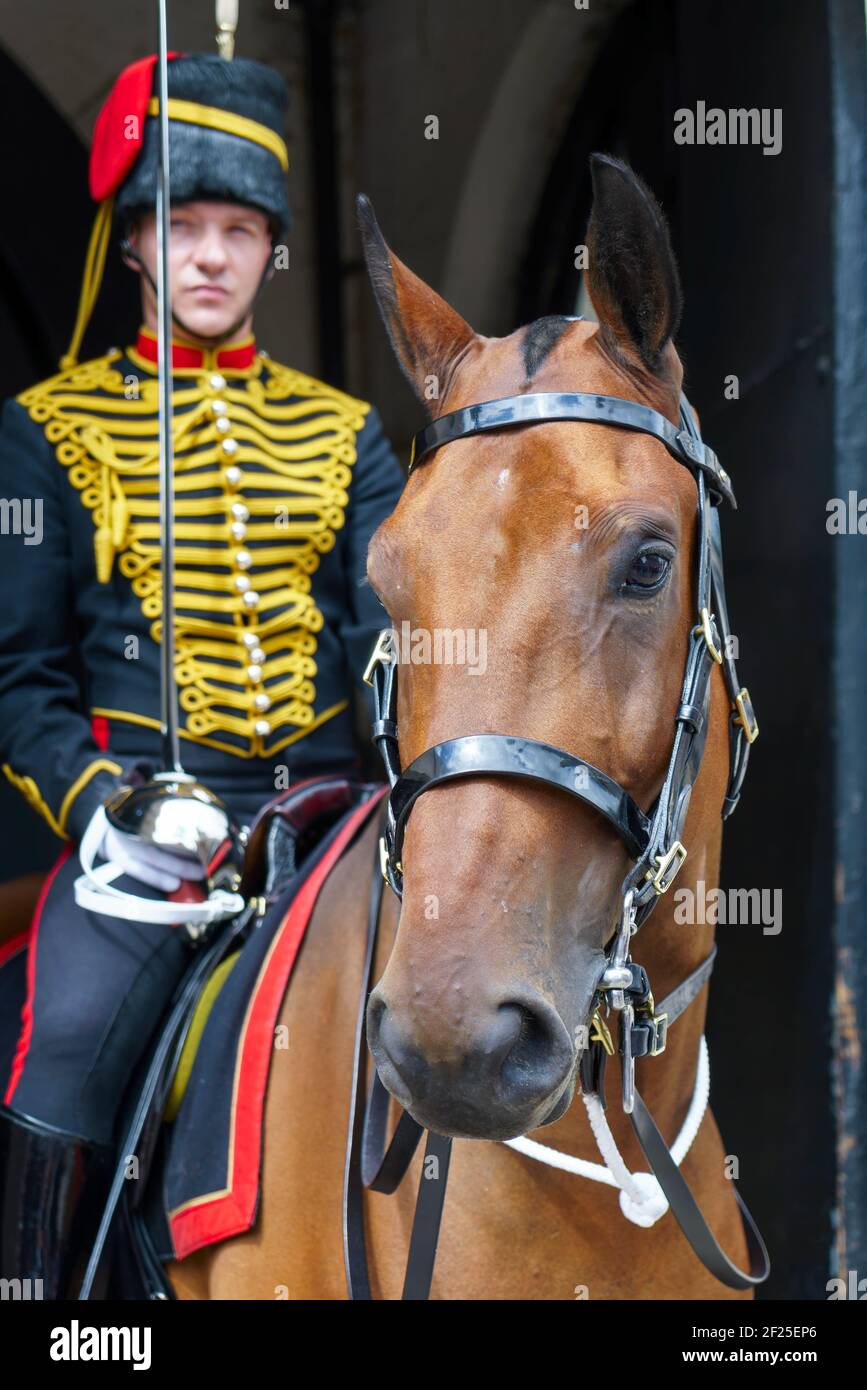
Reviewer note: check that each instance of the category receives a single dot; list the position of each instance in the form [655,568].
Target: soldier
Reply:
[280,480]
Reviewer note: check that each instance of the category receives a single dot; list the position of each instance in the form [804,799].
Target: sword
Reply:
[168,684]
[172,810]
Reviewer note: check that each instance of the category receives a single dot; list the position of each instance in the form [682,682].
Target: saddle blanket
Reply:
[212,1150]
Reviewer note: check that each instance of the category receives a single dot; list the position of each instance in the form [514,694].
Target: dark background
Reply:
[772,261]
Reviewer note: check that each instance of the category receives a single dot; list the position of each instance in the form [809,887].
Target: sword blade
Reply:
[168,688]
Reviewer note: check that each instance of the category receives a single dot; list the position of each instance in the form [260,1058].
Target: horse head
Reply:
[564,552]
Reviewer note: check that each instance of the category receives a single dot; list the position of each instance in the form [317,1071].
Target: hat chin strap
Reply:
[212,339]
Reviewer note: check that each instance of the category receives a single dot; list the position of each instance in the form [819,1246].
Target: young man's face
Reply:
[217,253]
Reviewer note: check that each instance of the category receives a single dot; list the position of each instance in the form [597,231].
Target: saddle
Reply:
[284,844]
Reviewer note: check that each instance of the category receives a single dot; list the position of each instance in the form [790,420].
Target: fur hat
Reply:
[210,161]
[225,143]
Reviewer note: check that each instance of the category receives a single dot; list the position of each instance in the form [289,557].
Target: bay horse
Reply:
[512,891]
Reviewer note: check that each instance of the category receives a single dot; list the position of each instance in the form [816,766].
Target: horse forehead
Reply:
[537,472]
[551,354]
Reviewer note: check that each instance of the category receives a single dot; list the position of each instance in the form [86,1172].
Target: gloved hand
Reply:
[156,867]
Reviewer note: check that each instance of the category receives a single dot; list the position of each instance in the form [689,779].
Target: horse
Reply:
[573,547]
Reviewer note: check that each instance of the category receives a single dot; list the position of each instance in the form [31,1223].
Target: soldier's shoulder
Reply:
[95,377]
[284,382]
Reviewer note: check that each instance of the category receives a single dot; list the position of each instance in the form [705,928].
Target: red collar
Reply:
[240,354]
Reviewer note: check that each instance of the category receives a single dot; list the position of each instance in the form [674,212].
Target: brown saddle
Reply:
[289,826]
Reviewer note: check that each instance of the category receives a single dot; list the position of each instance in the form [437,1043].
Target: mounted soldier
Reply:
[262,621]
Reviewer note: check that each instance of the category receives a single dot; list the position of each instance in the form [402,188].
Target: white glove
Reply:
[156,867]
[159,868]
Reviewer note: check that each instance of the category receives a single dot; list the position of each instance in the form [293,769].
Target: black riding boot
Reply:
[53,1188]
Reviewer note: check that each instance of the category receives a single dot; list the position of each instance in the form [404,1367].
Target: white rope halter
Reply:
[642,1200]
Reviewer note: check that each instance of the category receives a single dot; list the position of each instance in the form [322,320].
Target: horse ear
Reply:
[632,275]
[427,334]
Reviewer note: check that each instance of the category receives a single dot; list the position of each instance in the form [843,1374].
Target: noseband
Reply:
[653,837]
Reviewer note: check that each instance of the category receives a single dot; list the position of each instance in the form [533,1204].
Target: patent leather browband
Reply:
[546,406]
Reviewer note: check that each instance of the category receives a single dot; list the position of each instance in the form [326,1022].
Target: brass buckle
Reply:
[663,879]
[660,1033]
[379,653]
[384,861]
[601,1034]
[704,628]
[746,715]
[659,1024]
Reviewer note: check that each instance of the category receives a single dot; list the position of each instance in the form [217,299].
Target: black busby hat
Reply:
[212,155]
[225,143]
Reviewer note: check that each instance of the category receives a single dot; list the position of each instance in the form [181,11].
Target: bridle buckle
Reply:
[705,627]
[668,867]
[746,715]
[659,1033]
[382,652]
[600,1033]
[385,861]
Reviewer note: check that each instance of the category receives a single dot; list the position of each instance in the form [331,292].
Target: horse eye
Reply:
[648,571]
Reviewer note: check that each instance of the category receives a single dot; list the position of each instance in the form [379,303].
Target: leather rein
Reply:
[652,840]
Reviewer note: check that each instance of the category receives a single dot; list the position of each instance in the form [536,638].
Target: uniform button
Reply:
[243,559]
[257,655]
[240,512]
[223,423]
[262,727]
[242,583]
[251,599]
[254,673]
[262,703]
[233,476]
[218,382]
[219,407]
[238,531]
[229,446]
[250,640]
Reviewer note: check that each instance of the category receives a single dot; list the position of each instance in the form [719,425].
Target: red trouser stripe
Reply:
[27,1011]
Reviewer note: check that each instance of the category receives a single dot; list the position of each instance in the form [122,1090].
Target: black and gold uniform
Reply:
[280,481]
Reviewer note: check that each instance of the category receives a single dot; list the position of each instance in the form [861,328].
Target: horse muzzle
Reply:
[507,1070]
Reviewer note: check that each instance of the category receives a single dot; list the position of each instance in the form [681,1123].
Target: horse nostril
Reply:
[375,1010]
[401,1067]
[498,1042]
[539,1051]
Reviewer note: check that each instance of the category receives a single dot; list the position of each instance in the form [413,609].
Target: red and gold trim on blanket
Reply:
[216,1216]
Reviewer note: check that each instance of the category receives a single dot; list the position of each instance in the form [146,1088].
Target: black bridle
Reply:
[652,838]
